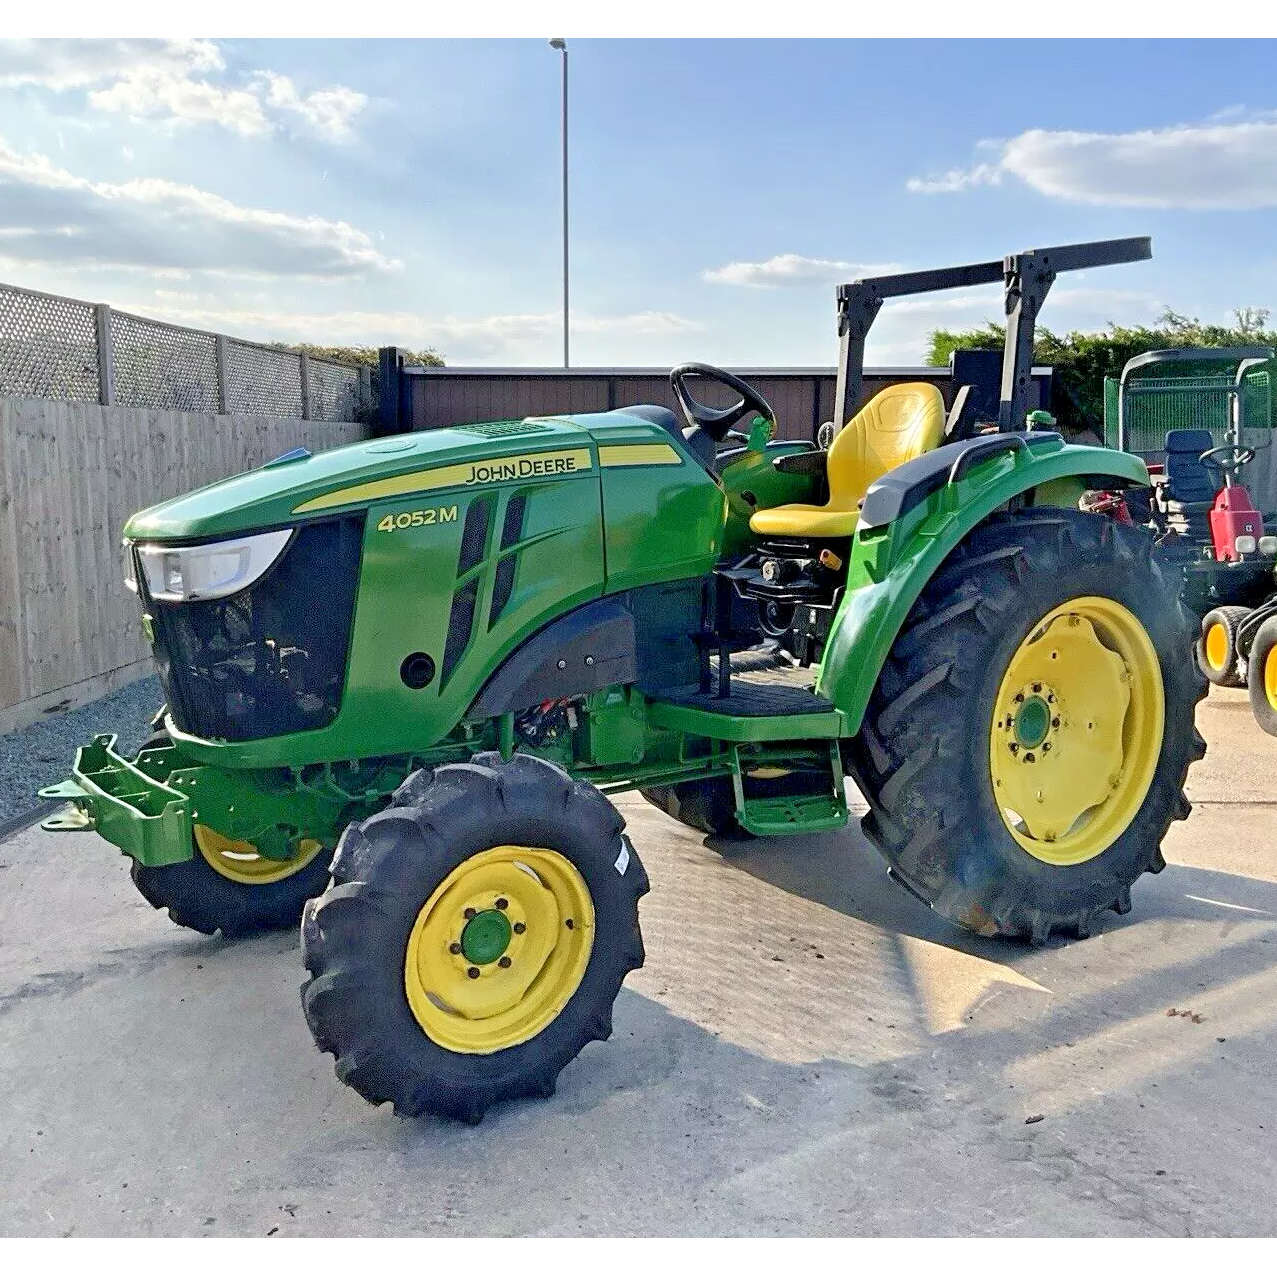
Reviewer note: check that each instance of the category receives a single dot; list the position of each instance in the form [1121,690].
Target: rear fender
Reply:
[914,517]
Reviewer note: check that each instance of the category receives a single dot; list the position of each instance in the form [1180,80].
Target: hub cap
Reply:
[242,862]
[1217,646]
[1077,731]
[498,949]
[1270,677]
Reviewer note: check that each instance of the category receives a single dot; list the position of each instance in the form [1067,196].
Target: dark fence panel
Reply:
[802,397]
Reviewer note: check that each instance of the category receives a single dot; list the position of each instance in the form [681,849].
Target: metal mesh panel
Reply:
[48,347]
[1155,405]
[334,391]
[158,366]
[262,382]
[1257,400]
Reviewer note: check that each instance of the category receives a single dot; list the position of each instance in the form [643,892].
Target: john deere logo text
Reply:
[525,467]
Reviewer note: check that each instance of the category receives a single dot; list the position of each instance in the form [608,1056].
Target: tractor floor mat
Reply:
[756,693]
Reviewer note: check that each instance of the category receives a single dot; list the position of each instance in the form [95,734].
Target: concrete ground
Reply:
[807,1051]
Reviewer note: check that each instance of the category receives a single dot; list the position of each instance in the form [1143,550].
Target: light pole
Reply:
[559,43]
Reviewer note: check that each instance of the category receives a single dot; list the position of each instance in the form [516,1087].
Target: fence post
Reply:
[223,389]
[389,362]
[305,378]
[106,363]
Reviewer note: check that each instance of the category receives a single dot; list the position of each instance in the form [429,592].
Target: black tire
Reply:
[355,937]
[708,806]
[1263,651]
[921,757]
[1228,672]
[199,897]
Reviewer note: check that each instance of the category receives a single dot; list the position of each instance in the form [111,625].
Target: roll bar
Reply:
[1026,279]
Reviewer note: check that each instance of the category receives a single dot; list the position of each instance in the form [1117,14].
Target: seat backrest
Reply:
[896,425]
[1187,479]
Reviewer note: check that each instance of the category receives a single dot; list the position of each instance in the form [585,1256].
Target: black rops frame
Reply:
[1026,279]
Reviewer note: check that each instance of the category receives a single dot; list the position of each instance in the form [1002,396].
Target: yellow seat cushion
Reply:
[896,425]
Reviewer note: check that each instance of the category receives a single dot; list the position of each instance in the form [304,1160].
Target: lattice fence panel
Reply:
[48,347]
[262,382]
[334,391]
[159,366]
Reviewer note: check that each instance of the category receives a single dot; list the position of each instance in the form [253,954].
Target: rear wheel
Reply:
[474,938]
[1217,646]
[1025,749]
[1261,676]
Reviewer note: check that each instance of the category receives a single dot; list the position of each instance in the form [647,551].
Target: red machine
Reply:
[1232,514]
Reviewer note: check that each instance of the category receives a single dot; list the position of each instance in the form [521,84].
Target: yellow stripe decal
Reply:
[639,454]
[525,465]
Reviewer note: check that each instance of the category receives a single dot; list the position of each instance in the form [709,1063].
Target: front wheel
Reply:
[474,937]
[1261,676]
[1217,654]
[1026,747]
[228,885]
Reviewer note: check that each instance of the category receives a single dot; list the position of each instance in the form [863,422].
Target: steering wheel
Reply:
[716,422]
[1232,459]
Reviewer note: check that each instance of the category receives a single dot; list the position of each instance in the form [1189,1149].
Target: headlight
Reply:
[182,574]
[1245,545]
[130,571]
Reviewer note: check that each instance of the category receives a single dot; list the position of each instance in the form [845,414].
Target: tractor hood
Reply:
[297,486]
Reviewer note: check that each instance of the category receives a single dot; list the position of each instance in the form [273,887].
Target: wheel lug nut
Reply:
[503,961]
[454,947]
[1055,722]
[503,903]
[473,973]
[469,913]
[1037,687]
[520,928]
[568,924]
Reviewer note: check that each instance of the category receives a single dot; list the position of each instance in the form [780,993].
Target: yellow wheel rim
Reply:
[1077,730]
[1270,676]
[1217,647]
[499,949]
[242,862]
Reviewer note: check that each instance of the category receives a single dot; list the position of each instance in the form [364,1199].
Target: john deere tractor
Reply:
[403,678]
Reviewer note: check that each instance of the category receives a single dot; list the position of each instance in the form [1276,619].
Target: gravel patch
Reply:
[42,753]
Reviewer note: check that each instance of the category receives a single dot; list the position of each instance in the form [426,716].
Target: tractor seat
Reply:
[896,425]
[1185,493]
[1188,481]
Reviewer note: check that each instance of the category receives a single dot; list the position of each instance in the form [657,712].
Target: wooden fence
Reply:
[70,475]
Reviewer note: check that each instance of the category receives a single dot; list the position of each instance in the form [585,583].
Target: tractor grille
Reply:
[271,659]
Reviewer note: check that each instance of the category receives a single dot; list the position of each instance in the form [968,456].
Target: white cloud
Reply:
[50,216]
[170,81]
[487,339]
[1217,165]
[790,270]
[328,111]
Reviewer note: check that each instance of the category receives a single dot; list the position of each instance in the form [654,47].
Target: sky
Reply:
[408,191]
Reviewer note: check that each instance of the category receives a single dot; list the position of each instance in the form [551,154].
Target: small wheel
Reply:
[1217,646]
[1026,746]
[775,619]
[1261,676]
[708,806]
[228,886]
[474,937]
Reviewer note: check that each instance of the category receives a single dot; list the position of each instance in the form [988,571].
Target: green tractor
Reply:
[402,678]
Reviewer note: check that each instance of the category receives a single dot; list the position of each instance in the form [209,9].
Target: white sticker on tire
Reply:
[623,860]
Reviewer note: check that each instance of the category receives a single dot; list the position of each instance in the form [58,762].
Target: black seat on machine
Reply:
[1188,491]
[1188,480]
[700,443]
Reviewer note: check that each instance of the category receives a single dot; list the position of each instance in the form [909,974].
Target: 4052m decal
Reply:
[417,518]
